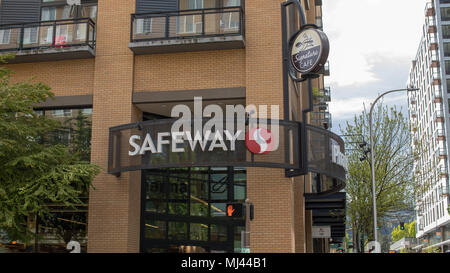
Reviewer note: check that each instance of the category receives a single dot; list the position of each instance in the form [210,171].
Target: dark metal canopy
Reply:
[328,210]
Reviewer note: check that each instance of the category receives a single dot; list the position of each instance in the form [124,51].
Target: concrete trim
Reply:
[51,54]
[62,102]
[188,44]
[188,95]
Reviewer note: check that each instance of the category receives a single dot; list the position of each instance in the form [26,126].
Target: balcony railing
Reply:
[437,95]
[322,119]
[214,25]
[54,36]
[436,75]
[321,106]
[327,94]
[442,154]
[443,172]
[440,135]
[429,9]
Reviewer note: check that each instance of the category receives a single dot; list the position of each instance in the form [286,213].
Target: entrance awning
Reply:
[328,210]
[330,201]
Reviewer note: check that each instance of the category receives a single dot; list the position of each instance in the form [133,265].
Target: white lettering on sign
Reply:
[337,156]
[209,141]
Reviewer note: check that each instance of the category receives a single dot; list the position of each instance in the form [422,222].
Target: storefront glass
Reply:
[184,210]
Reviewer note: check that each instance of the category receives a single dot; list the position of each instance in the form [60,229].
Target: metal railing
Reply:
[326,68]
[437,95]
[327,93]
[436,73]
[442,153]
[439,114]
[183,24]
[429,9]
[48,34]
[321,118]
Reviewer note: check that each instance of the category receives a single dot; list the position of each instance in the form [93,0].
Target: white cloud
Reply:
[358,29]
[346,109]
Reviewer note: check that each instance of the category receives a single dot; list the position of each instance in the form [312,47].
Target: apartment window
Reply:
[30,35]
[195,4]
[232,3]
[190,23]
[4,36]
[447,49]
[447,67]
[143,26]
[86,111]
[445,14]
[62,113]
[446,31]
[230,20]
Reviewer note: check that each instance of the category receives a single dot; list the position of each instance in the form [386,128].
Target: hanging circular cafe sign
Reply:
[309,50]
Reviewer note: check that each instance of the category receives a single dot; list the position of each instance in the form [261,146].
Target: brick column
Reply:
[114,204]
[271,192]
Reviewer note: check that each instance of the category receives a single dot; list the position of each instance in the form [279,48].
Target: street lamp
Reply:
[372,156]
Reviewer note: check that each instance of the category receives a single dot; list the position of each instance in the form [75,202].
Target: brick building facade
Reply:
[122,80]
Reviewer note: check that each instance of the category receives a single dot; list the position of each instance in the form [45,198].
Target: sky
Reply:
[372,45]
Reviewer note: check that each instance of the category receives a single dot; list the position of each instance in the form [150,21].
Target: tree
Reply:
[33,172]
[408,232]
[80,132]
[395,184]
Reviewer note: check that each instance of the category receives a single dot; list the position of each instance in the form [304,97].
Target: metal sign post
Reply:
[245,235]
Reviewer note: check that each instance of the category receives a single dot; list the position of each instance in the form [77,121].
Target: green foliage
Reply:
[316,92]
[33,172]
[408,232]
[80,132]
[393,168]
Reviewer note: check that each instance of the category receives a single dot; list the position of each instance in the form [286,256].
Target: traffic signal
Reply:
[238,210]
[235,210]
[402,226]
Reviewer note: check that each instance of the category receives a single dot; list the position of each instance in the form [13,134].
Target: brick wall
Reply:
[114,204]
[281,224]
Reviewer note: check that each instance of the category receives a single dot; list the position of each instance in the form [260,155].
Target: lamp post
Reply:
[372,156]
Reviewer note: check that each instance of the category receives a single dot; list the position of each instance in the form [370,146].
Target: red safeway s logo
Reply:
[259,141]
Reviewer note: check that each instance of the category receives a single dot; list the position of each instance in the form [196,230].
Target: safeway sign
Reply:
[321,232]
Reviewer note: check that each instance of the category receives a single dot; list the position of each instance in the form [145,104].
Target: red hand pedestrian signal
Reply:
[230,210]
[235,210]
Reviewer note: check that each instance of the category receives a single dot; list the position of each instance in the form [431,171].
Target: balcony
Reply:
[436,76]
[443,172]
[444,191]
[439,116]
[49,40]
[326,92]
[321,106]
[324,95]
[187,30]
[440,135]
[433,42]
[429,9]
[325,69]
[437,95]
[321,119]
[442,154]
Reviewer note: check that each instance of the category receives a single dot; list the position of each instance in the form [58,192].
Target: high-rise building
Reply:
[430,125]
[124,65]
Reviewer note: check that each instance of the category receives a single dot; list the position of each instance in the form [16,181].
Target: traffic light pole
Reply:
[246,240]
